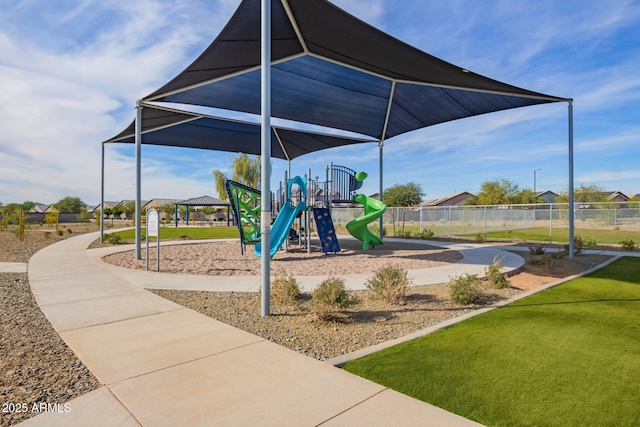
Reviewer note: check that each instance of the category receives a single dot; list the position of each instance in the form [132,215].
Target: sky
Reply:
[72,70]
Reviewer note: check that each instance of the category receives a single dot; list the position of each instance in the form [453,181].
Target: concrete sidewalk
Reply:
[164,365]
[13,267]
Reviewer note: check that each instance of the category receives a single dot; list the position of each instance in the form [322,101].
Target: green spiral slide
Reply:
[373,209]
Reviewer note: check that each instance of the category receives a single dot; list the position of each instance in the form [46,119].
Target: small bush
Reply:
[479,238]
[426,233]
[590,242]
[578,245]
[284,289]
[59,232]
[376,231]
[628,245]
[389,283]
[183,237]
[497,280]
[69,231]
[47,234]
[331,298]
[536,250]
[113,239]
[464,289]
[548,260]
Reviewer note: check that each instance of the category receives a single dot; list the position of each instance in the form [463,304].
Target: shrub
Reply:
[426,233]
[628,245]
[590,242]
[497,280]
[578,245]
[59,232]
[284,289]
[479,238]
[183,237]
[330,298]
[376,231]
[548,260]
[536,250]
[47,234]
[113,239]
[69,231]
[389,283]
[464,289]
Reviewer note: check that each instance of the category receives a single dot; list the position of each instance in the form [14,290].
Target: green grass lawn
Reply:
[568,356]
[562,235]
[189,232]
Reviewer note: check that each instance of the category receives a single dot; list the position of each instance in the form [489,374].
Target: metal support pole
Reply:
[102,199]
[381,145]
[308,211]
[571,195]
[330,195]
[138,138]
[265,141]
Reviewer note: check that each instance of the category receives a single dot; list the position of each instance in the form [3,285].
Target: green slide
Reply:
[373,209]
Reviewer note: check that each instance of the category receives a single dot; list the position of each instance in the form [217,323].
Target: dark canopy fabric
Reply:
[331,69]
[190,130]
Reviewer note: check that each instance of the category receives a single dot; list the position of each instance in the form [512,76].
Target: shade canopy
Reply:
[329,69]
[202,201]
[162,126]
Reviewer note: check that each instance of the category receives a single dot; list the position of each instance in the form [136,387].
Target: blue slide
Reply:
[284,221]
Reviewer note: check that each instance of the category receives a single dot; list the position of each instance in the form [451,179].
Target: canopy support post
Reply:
[381,146]
[138,138]
[265,157]
[102,198]
[571,195]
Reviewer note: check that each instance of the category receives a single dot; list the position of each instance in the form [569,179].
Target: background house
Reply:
[455,199]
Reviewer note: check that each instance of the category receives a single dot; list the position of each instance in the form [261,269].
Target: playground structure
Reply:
[301,198]
[246,211]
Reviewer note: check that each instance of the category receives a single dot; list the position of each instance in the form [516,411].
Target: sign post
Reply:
[153,230]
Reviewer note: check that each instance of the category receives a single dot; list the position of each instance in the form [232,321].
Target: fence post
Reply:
[450,221]
[485,223]
[550,223]
[420,228]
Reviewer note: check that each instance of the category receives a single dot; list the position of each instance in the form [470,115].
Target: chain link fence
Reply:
[595,223]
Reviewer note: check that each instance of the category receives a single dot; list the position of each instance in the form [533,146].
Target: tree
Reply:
[584,193]
[27,205]
[106,212]
[246,170]
[69,205]
[116,211]
[129,209]
[168,209]
[497,192]
[208,211]
[220,180]
[402,196]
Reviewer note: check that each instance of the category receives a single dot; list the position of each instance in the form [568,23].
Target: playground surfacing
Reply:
[225,259]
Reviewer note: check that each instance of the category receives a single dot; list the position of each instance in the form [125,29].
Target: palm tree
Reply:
[246,170]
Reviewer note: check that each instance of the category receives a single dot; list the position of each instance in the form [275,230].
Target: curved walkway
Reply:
[475,259]
[163,364]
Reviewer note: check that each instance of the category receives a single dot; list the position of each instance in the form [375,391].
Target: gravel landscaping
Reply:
[369,323]
[36,366]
